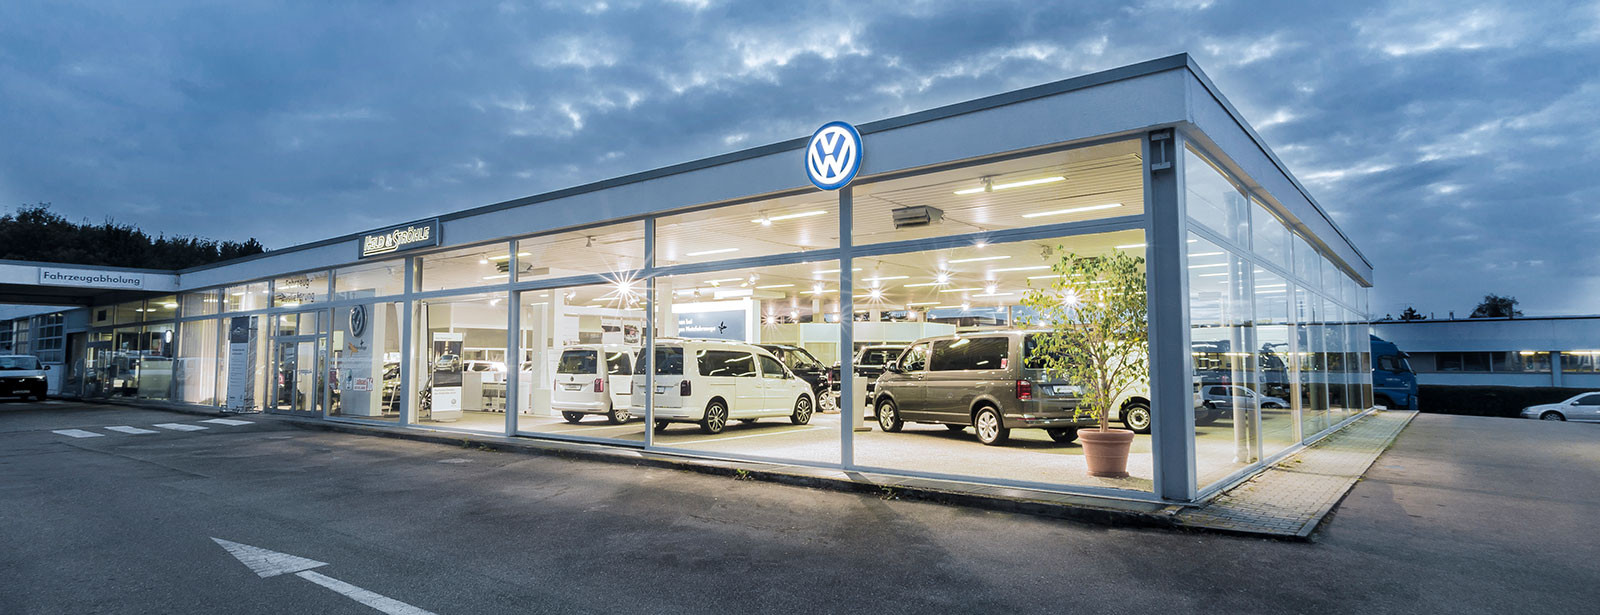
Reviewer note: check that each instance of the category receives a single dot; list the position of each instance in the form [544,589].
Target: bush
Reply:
[1502,401]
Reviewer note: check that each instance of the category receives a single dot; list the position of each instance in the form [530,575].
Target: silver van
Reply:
[977,379]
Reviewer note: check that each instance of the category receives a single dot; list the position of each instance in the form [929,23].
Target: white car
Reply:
[593,379]
[1581,407]
[710,382]
[22,375]
[492,371]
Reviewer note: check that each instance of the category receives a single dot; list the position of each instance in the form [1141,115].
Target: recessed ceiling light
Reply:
[716,251]
[958,290]
[1208,266]
[771,286]
[886,277]
[981,258]
[1045,277]
[1027,182]
[923,303]
[1130,246]
[833,271]
[1033,268]
[1071,210]
[1205,254]
[805,214]
[1213,275]
[922,284]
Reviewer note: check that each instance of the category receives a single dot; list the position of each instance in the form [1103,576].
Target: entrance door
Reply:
[299,381]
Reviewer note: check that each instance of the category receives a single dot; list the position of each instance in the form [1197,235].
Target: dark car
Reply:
[977,379]
[868,365]
[803,364]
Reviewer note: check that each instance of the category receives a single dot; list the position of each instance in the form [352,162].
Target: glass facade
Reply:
[733,330]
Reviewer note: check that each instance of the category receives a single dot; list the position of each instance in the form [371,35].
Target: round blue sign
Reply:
[833,156]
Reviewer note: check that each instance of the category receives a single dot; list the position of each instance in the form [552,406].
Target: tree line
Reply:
[34,233]
[1492,306]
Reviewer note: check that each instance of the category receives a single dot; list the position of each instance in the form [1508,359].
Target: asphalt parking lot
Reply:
[1463,515]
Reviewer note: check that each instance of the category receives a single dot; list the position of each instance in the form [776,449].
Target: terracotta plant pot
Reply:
[1106,452]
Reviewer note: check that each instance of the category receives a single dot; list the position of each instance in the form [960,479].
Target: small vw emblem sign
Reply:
[833,155]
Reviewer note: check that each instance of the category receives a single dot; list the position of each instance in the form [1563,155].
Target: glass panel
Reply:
[130,312]
[366,361]
[161,308]
[1275,358]
[1307,263]
[1102,181]
[607,250]
[461,362]
[370,280]
[923,412]
[197,371]
[253,351]
[774,226]
[1271,241]
[575,375]
[300,289]
[1531,361]
[1221,338]
[204,303]
[1212,199]
[713,330]
[1334,343]
[245,297]
[477,266]
[1312,356]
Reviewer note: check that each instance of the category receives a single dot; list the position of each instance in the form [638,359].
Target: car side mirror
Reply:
[892,366]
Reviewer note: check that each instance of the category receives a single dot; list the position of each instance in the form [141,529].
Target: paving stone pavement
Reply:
[1290,498]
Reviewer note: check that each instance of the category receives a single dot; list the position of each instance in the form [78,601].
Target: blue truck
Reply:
[1393,383]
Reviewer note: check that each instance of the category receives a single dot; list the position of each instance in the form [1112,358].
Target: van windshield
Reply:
[577,362]
[19,363]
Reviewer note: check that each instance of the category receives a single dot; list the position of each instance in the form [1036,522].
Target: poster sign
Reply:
[400,238]
[241,364]
[718,325]
[445,384]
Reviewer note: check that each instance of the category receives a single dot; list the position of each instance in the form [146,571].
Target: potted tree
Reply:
[1096,338]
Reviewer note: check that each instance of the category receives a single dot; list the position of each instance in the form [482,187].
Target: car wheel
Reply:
[661,426]
[572,417]
[1063,435]
[716,418]
[802,410]
[990,430]
[1552,416]
[619,416]
[1136,417]
[955,428]
[889,416]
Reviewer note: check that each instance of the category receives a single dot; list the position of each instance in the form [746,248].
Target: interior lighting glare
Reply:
[1045,277]
[772,286]
[767,221]
[923,303]
[1205,254]
[922,284]
[709,252]
[1208,266]
[498,276]
[1033,268]
[825,271]
[504,257]
[988,187]
[886,277]
[1071,210]
[958,290]
[723,280]
[981,258]
[1213,275]
[1130,246]
[875,294]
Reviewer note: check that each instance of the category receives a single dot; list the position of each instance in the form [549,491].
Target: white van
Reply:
[593,379]
[22,375]
[711,381]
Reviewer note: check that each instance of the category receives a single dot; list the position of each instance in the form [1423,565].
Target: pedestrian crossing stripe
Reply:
[78,433]
[179,427]
[131,430]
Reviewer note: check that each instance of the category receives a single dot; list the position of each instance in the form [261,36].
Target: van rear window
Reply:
[577,362]
[969,353]
[727,363]
[619,364]
[669,361]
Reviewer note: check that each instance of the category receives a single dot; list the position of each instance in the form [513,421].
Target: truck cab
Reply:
[1393,383]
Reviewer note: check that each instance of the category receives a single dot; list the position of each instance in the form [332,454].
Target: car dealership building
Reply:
[917,226]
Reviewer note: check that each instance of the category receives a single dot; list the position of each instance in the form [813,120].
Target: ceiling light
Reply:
[771,286]
[981,258]
[1205,254]
[958,290]
[169,305]
[966,306]
[833,271]
[721,280]
[1130,246]
[1206,266]
[1212,275]
[875,294]
[1071,210]
[1045,277]
[923,303]
[1033,268]
[988,185]
[922,284]
[503,257]
[994,295]
[887,277]
[716,251]
[815,292]
[805,214]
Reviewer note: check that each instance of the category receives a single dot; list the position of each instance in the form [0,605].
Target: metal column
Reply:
[1172,400]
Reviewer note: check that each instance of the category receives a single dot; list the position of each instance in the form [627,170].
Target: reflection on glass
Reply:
[580,348]
[607,250]
[773,226]
[1213,200]
[1275,356]
[1222,339]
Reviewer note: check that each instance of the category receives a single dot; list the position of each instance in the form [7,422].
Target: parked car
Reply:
[868,365]
[711,381]
[1583,407]
[976,379]
[447,363]
[22,375]
[493,371]
[803,364]
[1224,398]
[593,379]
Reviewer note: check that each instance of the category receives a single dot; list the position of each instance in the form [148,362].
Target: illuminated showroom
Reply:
[540,317]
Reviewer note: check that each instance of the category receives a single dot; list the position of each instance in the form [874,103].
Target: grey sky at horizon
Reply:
[1453,142]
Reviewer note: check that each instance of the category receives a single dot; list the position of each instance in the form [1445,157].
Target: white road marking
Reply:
[52,402]
[754,435]
[130,430]
[380,602]
[267,563]
[228,422]
[78,433]
[179,427]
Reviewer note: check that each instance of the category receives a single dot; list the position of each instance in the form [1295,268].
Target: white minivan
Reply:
[593,379]
[711,381]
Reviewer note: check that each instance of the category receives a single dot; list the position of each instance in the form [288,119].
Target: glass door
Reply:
[298,376]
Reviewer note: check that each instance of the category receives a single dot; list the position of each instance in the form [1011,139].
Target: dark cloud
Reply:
[1454,142]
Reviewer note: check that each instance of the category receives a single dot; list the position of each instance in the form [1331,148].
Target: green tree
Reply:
[1098,328]
[34,233]
[1496,306]
[1411,313]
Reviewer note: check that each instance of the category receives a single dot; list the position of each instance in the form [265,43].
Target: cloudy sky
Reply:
[1458,143]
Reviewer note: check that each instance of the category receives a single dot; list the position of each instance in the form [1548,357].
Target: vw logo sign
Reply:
[358,320]
[833,155]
